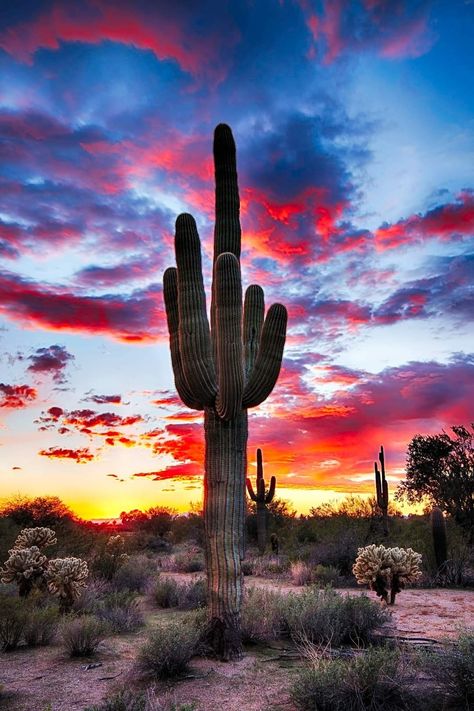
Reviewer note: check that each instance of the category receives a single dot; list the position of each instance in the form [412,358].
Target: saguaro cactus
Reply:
[381,488]
[222,369]
[440,540]
[261,498]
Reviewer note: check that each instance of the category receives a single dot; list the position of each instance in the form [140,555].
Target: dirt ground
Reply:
[45,679]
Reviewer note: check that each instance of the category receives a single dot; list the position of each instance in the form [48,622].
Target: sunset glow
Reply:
[354,126]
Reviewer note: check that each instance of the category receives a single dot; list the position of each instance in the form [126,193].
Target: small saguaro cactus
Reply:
[261,498]
[223,368]
[381,488]
[440,540]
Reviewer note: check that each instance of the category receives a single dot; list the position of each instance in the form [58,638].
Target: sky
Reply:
[354,125]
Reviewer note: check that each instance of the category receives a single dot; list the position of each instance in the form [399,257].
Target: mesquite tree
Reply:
[261,498]
[223,369]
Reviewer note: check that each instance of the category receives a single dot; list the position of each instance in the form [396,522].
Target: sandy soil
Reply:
[45,679]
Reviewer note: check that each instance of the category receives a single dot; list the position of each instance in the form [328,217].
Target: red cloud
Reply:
[98,20]
[16,396]
[136,317]
[445,222]
[80,456]
[50,361]
[177,471]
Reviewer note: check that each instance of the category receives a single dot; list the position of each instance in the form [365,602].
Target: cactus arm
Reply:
[193,326]
[170,293]
[378,485]
[259,465]
[267,365]
[250,490]
[271,490]
[230,374]
[254,310]
[385,494]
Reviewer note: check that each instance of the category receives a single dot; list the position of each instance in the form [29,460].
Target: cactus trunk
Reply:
[224,520]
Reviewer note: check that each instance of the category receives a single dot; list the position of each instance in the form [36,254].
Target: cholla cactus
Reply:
[66,577]
[25,567]
[382,568]
[39,536]
[115,545]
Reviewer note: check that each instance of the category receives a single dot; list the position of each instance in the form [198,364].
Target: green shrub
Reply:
[165,592]
[121,612]
[13,618]
[139,700]
[325,617]
[262,615]
[41,624]
[326,575]
[192,595]
[372,680]
[134,574]
[82,635]
[453,672]
[168,650]
[188,562]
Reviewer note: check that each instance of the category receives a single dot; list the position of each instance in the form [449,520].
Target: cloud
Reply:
[16,397]
[104,399]
[80,456]
[51,360]
[133,317]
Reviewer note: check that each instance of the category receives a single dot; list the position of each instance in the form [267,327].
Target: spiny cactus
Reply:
[39,536]
[223,369]
[440,540]
[66,578]
[275,543]
[25,567]
[261,498]
[381,488]
[382,568]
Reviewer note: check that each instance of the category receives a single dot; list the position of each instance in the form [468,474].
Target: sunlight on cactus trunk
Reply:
[223,369]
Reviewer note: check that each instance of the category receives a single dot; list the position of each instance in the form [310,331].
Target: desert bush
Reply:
[267,566]
[192,595]
[301,573]
[371,680]
[338,552]
[168,649]
[139,700]
[41,624]
[165,592]
[135,573]
[82,635]
[13,618]
[188,562]
[120,611]
[262,615]
[326,575]
[96,589]
[325,617]
[452,670]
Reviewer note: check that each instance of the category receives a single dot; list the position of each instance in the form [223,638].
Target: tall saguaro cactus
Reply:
[381,488]
[223,369]
[261,498]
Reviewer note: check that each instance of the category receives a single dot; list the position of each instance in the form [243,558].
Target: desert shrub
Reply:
[300,573]
[192,595]
[41,624]
[262,615]
[165,592]
[139,700]
[453,672]
[120,611]
[325,617]
[188,562]
[168,649]
[372,680]
[326,575]
[96,589]
[134,574]
[339,552]
[82,635]
[13,618]
[268,567]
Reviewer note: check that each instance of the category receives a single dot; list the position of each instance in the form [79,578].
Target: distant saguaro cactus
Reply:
[381,488]
[261,498]
[440,539]
[223,369]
